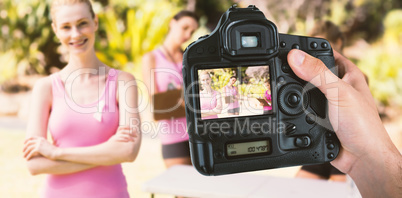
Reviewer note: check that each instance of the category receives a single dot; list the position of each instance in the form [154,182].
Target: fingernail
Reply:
[298,57]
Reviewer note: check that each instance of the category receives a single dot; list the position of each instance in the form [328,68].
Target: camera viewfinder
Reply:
[250,40]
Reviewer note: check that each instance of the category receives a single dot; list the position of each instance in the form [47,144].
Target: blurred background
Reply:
[130,28]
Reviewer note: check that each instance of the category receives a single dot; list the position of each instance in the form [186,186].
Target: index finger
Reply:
[124,127]
[344,65]
[28,139]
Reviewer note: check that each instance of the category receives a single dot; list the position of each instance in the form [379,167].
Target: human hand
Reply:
[352,111]
[38,146]
[233,99]
[124,134]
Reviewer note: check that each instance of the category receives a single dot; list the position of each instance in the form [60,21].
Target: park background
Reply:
[128,29]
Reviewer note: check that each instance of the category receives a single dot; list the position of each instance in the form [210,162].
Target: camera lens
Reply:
[249,41]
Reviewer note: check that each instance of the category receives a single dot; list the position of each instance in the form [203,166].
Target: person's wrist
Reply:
[384,166]
[376,153]
[57,153]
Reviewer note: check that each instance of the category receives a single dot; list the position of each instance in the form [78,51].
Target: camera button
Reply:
[200,50]
[324,45]
[229,134]
[285,68]
[303,141]
[293,99]
[313,45]
[329,135]
[245,133]
[252,6]
[214,136]
[330,155]
[281,79]
[218,154]
[290,129]
[310,118]
[295,46]
[330,146]
[212,49]
[282,44]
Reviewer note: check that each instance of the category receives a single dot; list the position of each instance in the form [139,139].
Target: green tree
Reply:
[383,64]
[129,31]
[26,39]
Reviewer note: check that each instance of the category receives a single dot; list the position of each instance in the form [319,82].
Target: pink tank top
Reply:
[268,97]
[208,103]
[77,125]
[231,91]
[168,76]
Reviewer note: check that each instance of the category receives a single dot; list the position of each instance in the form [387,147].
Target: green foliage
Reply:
[128,29]
[137,29]
[25,33]
[7,70]
[393,28]
[383,64]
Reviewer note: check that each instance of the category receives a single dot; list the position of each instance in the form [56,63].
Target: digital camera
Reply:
[245,108]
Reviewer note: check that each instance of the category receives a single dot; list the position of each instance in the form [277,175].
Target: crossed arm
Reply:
[43,157]
[216,110]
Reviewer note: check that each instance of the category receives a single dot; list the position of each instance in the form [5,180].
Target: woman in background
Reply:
[231,96]
[163,66]
[91,134]
[210,100]
[268,97]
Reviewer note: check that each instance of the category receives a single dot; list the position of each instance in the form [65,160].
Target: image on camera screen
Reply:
[234,91]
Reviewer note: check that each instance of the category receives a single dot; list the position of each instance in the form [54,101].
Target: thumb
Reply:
[312,69]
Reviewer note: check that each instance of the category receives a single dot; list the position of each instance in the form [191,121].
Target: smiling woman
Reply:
[74,23]
[91,134]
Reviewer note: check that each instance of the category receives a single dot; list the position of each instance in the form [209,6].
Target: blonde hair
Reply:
[205,73]
[56,3]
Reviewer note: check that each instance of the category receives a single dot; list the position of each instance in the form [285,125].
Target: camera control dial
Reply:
[292,101]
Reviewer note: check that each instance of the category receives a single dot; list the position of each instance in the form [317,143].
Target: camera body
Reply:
[290,128]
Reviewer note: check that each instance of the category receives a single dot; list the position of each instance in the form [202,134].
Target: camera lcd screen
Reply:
[247,148]
[234,91]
